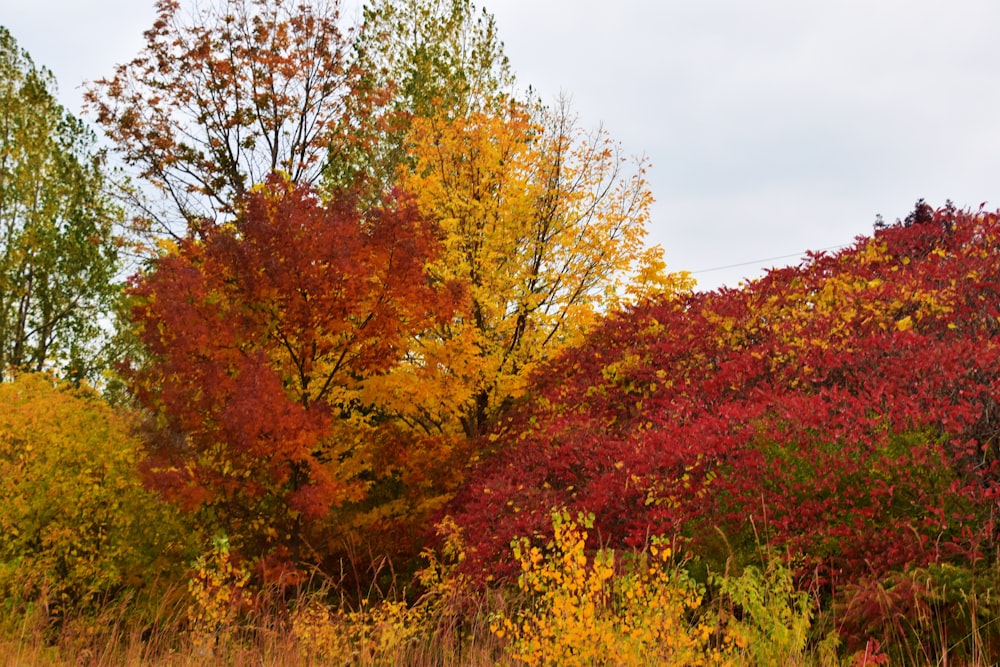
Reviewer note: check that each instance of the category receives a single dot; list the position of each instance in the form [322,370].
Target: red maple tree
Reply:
[261,336]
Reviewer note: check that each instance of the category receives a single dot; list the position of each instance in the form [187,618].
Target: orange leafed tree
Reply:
[263,335]
[236,90]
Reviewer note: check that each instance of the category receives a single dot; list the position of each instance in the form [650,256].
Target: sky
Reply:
[773,126]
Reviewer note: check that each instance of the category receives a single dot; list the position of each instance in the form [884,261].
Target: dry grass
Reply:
[450,625]
[251,649]
[268,640]
[124,635]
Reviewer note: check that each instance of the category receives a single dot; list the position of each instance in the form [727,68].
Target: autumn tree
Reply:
[544,224]
[58,255]
[226,95]
[542,221]
[542,231]
[76,525]
[264,335]
[843,411]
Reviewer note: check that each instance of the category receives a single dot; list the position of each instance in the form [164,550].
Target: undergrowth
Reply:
[570,606]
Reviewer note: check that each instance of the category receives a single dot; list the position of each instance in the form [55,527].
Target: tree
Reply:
[218,101]
[539,229]
[58,254]
[424,58]
[441,58]
[76,524]
[263,337]
[542,224]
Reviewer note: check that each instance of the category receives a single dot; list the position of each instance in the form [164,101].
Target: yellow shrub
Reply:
[593,611]
[217,591]
[76,525]
[373,634]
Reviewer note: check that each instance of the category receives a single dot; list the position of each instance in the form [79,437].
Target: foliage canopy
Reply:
[58,250]
[843,409]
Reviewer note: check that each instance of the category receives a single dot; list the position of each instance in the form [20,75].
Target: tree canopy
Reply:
[229,93]
[843,410]
[58,249]
[263,335]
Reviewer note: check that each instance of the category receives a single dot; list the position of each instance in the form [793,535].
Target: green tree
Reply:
[440,53]
[58,254]
[431,58]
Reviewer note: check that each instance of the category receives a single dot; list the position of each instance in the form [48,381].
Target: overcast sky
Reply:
[773,126]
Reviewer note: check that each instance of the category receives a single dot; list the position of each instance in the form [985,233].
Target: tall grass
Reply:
[570,607]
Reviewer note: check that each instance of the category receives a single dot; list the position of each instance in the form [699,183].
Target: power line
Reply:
[758,262]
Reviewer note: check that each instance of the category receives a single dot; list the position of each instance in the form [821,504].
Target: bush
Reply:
[76,526]
[606,609]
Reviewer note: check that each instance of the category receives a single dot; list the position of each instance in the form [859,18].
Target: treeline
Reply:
[376,292]
[349,245]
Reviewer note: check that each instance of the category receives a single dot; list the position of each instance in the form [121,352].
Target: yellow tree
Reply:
[543,223]
[544,226]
